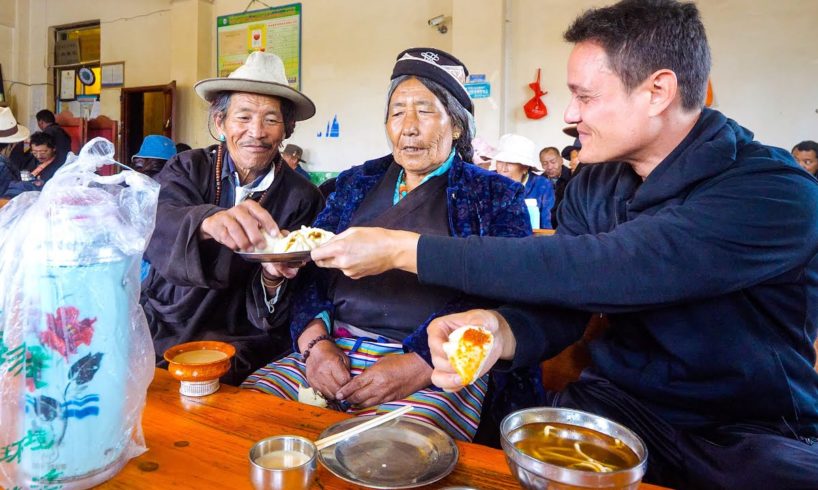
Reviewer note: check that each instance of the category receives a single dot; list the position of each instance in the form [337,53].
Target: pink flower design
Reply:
[65,333]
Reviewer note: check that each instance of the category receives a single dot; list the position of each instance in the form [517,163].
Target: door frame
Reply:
[169,116]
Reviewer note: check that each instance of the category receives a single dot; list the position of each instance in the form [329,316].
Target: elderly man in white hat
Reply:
[219,200]
[11,137]
[517,159]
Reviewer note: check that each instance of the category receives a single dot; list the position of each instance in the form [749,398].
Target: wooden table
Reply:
[203,442]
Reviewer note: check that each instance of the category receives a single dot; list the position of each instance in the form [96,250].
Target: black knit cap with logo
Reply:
[436,65]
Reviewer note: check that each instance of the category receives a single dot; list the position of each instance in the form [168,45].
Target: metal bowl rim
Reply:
[512,452]
[309,461]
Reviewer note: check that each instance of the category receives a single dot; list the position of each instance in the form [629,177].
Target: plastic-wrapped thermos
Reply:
[75,423]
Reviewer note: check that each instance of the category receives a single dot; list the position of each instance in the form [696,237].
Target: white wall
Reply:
[348,50]
[765,61]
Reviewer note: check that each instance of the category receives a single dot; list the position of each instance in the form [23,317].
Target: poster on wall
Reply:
[274,30]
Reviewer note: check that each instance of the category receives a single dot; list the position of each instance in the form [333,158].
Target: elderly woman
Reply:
[362,343]
[218,200]
[517,159]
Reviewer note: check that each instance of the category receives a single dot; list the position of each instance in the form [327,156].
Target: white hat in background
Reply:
[10,131]
[262,73]
[514,148]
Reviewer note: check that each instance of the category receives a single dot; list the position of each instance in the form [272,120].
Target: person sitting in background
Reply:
[516,158]
[806,154]
[62,141]
[292,155]
[149,160]
[571,153]
[44,150]
[153,154]
[13,135]
[483,153]
[558,174]
[362,343]
[218,200]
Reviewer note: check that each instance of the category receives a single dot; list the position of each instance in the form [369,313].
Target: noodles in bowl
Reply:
[563,448]
[574,447]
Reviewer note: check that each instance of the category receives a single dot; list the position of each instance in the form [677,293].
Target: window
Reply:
[76,67]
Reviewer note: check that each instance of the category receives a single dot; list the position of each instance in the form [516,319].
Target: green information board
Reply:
[273,30]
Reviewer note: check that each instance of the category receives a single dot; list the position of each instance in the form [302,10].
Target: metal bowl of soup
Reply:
[561,448]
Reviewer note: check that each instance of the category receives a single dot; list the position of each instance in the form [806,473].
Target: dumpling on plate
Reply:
[301,240]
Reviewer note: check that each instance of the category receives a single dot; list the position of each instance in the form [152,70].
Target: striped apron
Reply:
[458,414]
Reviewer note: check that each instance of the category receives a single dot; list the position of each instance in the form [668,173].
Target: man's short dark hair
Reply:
[549,148]
[807,145]
[46,116]
[643,36]
[39,138]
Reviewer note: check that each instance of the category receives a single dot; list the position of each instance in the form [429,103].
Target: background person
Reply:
[13,134]
[806,154]
[62,141]
[698,242]
[516,158]
[153,154]
[44,151]
[557,173]
[215,201]
[292,155]
[363,342]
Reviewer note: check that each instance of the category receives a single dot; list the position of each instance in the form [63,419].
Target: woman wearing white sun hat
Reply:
[517,158]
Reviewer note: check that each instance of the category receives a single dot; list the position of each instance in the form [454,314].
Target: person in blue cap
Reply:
[155,151]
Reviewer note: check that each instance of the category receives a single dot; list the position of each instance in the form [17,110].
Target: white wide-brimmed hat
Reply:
[10,131]
[262,73]
[514,148]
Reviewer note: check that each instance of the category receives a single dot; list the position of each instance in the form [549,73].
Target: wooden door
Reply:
[146,110]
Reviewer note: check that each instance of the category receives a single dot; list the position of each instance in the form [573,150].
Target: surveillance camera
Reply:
[435,21]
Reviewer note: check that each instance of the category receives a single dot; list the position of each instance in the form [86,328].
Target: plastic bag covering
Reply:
[76,355]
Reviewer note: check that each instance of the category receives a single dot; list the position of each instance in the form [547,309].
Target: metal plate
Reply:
[404,453]
[286,257]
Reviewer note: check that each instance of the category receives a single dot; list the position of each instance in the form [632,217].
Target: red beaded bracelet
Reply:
[314,341]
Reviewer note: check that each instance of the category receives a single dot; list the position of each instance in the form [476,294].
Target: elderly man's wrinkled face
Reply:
[419,128]
[43,153]
[253,128]
[612,122]
[807,159]
[551,163]
[514,171]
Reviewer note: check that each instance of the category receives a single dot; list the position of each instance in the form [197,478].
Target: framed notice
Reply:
[67,84]
[112,74]
[273,30]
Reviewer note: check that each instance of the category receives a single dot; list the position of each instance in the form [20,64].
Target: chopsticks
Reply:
[369,424]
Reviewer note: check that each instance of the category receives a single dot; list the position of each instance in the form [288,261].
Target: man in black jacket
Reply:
[700,244]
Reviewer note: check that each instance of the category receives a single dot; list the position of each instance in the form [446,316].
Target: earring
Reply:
[456,135]
[222,138]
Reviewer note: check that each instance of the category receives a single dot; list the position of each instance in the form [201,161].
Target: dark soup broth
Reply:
[573,447]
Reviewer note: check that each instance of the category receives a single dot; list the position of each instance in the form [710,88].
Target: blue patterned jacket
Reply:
[479,203]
